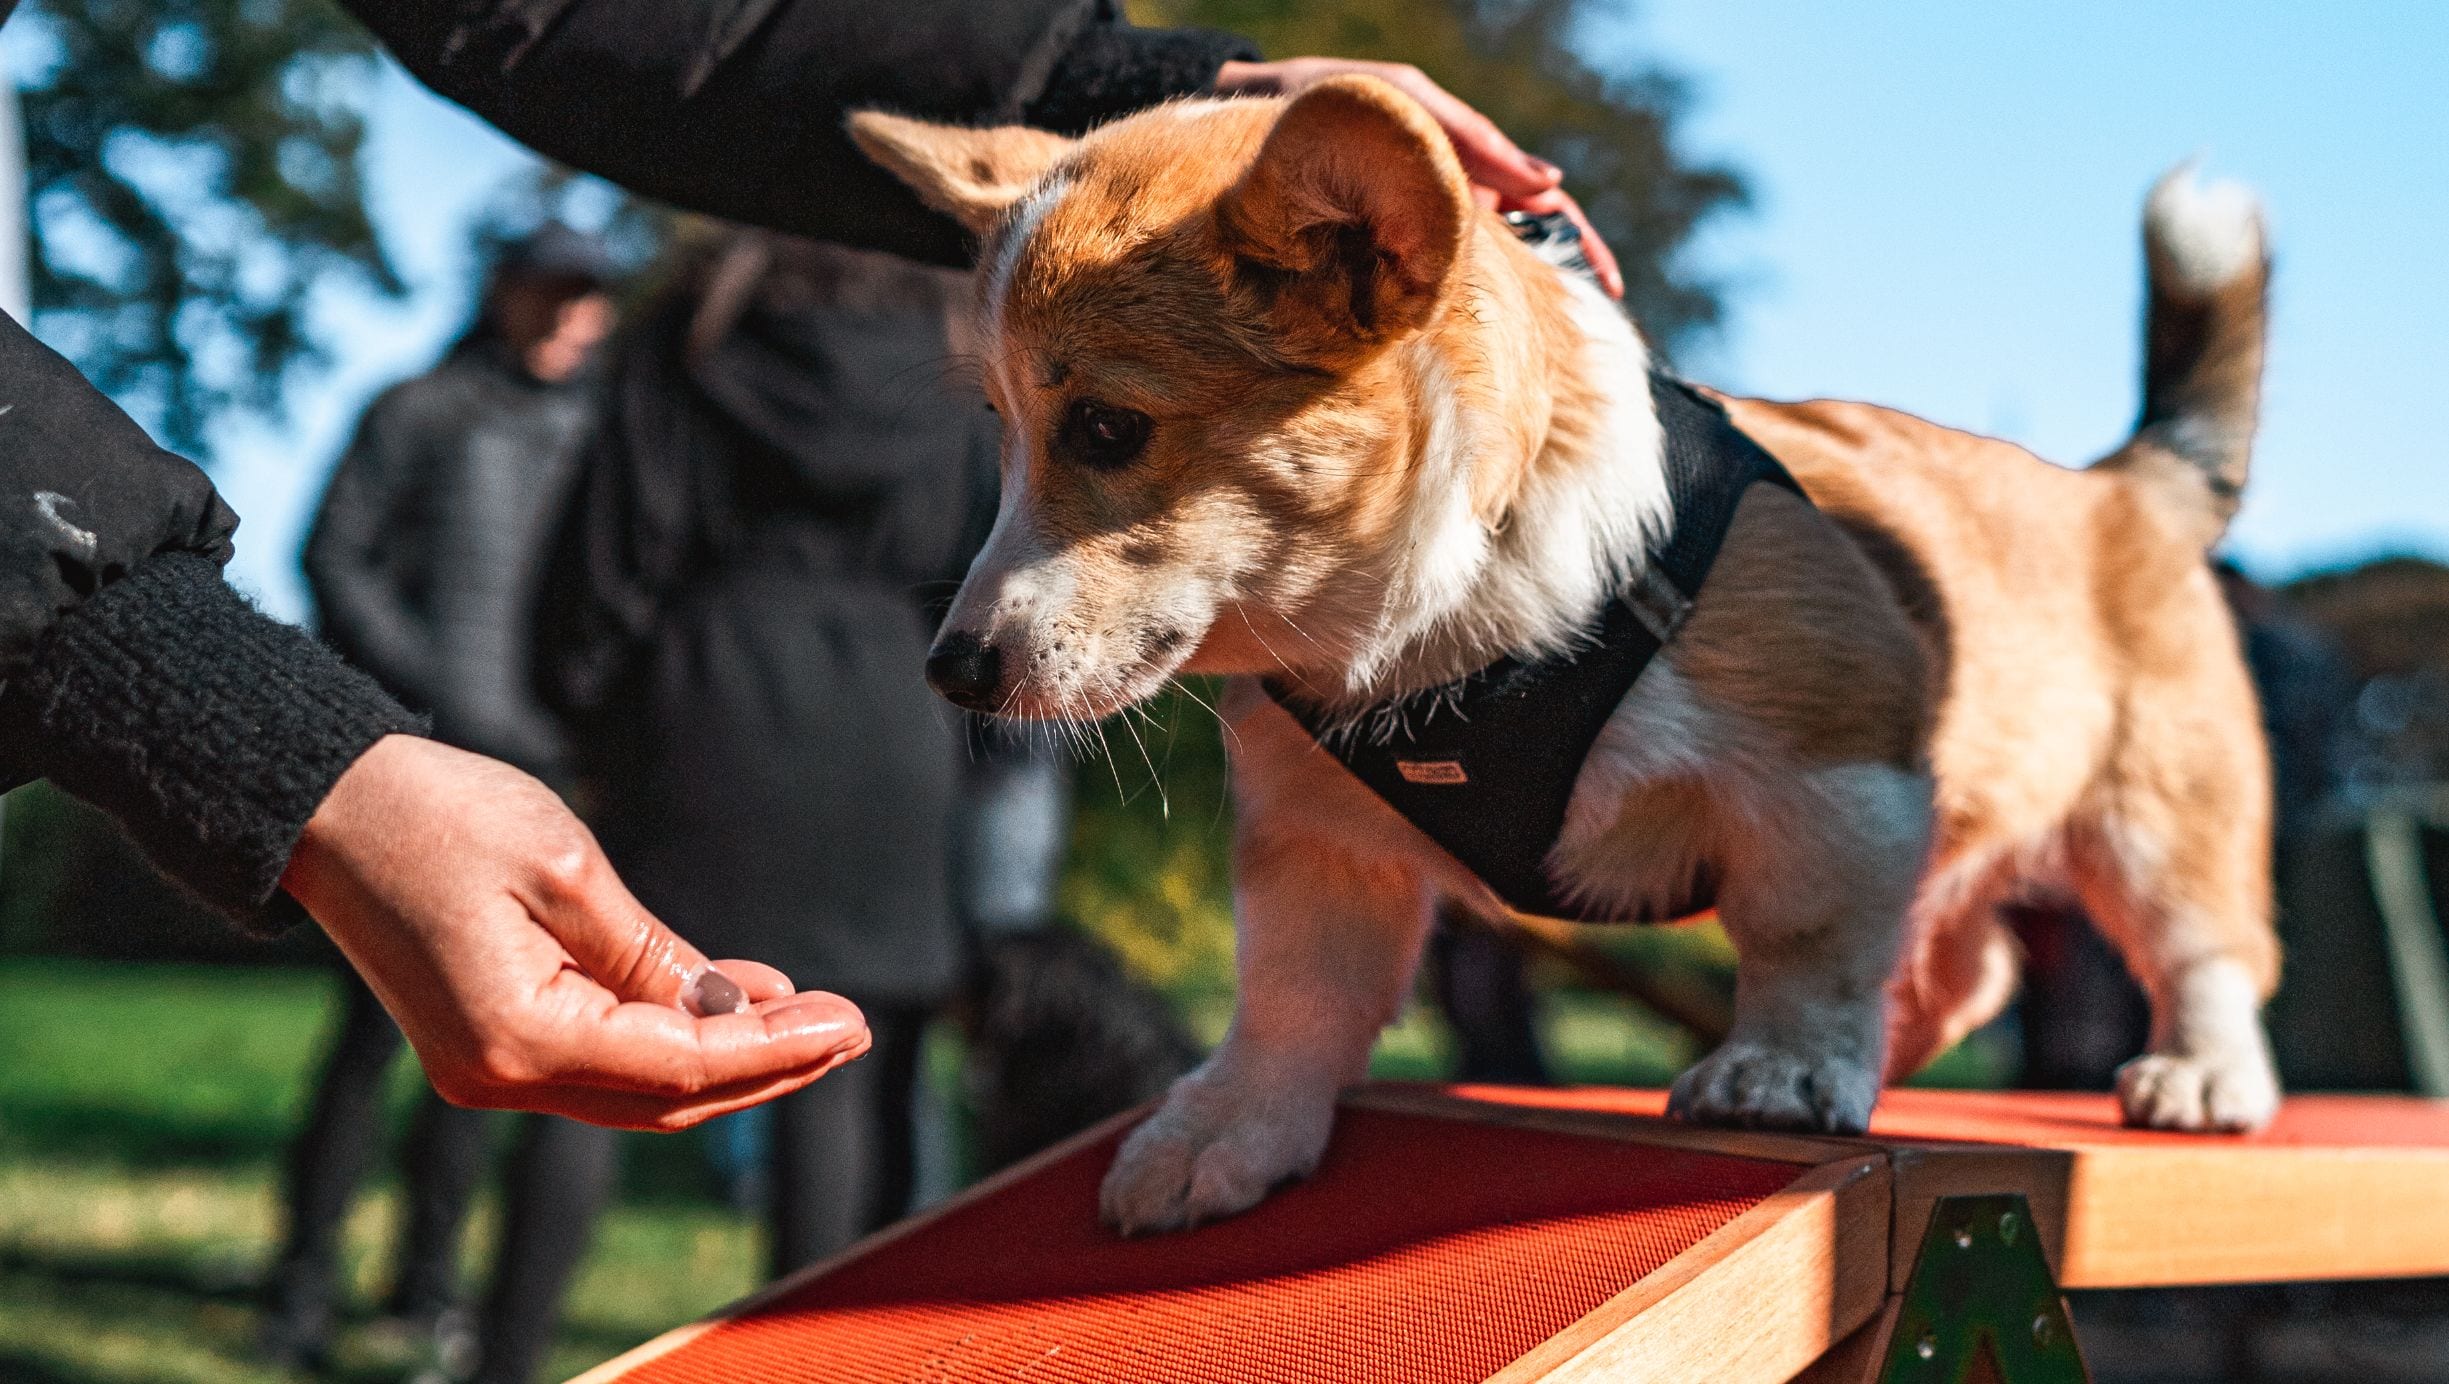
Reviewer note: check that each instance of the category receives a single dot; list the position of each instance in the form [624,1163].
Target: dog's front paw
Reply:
[2219,1092]
[1210,1152]
[1752,1083]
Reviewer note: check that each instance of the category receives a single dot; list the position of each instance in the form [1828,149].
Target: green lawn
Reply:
[142,1113]
[144,1107]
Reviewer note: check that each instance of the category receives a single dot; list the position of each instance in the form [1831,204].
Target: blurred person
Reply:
[423,561]
[736,619]
[243,758]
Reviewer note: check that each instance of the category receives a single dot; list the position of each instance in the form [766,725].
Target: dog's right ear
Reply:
[1346,227]
[971,175]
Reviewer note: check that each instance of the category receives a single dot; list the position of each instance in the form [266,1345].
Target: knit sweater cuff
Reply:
[1114,69]
[209,730]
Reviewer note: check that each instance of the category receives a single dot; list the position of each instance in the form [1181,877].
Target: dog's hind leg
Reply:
[1816,894]
[2171,857]
[2185,896]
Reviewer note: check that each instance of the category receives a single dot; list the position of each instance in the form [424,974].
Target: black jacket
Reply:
[789,472]
[425,555]
[132,676]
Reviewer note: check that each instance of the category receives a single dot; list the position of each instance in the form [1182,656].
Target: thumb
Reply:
[619,945]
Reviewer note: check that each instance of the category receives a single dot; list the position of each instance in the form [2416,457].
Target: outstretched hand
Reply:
[1503,175]
[487,920]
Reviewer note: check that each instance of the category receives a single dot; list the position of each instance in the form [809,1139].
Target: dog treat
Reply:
[716,993]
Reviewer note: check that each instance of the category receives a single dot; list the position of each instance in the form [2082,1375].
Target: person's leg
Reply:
[326,1163]
[1011,828]
[1480,984]
[445,1154]
[558,1181]
[842,1148]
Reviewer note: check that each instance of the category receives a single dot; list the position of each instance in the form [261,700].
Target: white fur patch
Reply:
[1578,529]
[2208,234]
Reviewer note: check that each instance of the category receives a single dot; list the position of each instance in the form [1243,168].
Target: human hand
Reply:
[1502,175]
[523,972]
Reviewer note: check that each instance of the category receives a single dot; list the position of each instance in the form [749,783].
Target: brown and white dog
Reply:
[1280,400]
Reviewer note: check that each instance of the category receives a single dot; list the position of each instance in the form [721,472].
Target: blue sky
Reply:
[1945,220]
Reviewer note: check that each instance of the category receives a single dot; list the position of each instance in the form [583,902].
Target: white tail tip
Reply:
[2203,234]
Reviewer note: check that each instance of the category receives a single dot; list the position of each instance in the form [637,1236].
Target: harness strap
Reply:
[1485,765]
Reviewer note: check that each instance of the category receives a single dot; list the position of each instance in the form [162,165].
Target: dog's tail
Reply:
[2208,272]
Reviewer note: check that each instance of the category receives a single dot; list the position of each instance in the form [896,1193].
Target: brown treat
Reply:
[716,993]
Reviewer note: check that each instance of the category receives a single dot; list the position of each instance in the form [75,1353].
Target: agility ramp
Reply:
[1486,1234]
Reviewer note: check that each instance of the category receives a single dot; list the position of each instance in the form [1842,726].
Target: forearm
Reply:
[208,730]
[743,118]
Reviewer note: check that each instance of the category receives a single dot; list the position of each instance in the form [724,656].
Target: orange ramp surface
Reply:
[1468,1234]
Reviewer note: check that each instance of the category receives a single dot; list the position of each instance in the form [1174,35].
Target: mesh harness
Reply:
[1485,765]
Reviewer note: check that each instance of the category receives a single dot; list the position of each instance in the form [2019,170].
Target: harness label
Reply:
[1431,771]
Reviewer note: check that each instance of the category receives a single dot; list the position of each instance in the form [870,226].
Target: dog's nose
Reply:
[965,671]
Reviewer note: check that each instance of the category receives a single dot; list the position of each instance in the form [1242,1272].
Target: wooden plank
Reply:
[2340,1187]
[2211,1214]
[1756,1302]
[1440,1103]
[612,1369]
[1859,1358]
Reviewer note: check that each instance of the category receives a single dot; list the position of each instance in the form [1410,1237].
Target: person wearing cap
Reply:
[423,561]
[244,758]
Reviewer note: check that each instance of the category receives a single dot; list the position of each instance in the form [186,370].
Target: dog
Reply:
[1281,403]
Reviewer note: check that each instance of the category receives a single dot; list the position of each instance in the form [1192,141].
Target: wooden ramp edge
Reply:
[2339,1187]
[1778,1251]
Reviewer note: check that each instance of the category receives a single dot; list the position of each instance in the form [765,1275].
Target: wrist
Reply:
[210,731]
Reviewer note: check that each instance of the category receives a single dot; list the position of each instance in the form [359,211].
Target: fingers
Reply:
[1602,260]
[757,980]
[654,1050]
[621,946]
[1489,157]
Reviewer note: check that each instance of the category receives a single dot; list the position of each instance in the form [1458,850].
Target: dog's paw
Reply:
[1207,1154]
[1754,1084]
[2219,1092]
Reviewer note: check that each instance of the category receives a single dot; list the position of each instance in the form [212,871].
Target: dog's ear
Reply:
[1346,227]
[971,175]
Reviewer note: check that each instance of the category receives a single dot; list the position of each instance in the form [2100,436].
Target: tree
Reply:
[194,176]
[1610,130]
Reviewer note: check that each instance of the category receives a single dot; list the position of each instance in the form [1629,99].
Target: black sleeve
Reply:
[736,108]
[133,676]
[363,612]
[85,496]
[209,730]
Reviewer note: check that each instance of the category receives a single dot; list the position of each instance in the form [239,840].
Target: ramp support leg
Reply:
[1981,1306]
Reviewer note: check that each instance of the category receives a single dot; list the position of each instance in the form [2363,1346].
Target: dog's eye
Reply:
[1103,435]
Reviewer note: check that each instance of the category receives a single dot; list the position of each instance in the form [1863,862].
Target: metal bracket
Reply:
[1981,1305]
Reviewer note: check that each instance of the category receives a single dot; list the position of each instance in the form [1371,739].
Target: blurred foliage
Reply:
[1149,871]
[1520,63]
[194,176]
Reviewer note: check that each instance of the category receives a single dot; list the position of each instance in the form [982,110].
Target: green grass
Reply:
[143,1110]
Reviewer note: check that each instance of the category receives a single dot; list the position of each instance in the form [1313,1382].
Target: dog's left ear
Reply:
[1346,227]
[971,175]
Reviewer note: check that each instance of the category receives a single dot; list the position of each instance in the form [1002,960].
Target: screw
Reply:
[2008,1225]
[2044,1331]
[1964,1237]
[1928,1346]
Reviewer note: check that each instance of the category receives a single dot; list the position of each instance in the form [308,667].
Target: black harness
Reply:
[1485,765]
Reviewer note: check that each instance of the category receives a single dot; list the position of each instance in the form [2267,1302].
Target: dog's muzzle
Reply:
[965,671]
